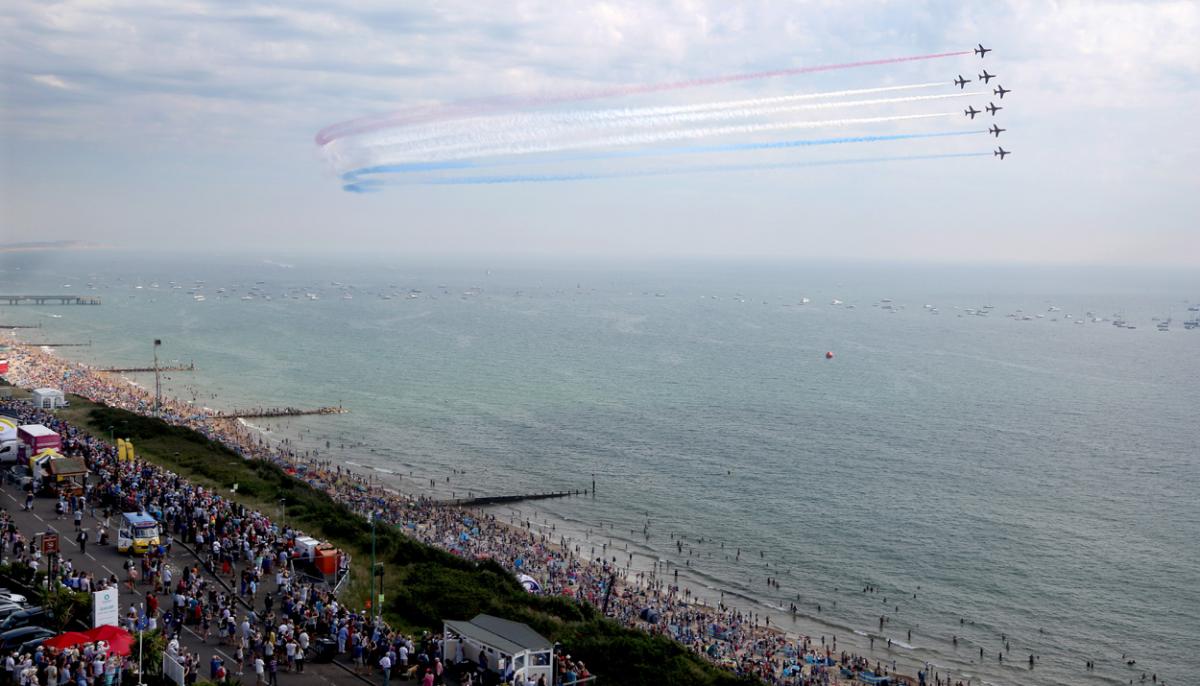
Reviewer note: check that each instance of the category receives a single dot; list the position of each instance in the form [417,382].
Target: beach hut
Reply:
[48,398]
[513,650]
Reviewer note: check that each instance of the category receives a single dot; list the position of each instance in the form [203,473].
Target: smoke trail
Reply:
[433,112]
[469,124]
[413,167]
[371,185]
[496,148]
[525,128]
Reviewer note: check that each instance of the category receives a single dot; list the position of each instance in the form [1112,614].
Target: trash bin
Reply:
[324,650]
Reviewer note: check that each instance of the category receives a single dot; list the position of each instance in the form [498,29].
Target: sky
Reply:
[190,124]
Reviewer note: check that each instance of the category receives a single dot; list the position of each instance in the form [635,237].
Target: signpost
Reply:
[49,543]
[106,608]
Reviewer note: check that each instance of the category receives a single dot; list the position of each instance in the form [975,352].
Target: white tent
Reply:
[48,398]
[512,649]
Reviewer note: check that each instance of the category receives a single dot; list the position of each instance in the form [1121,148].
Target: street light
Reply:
[371,602]
[157,381]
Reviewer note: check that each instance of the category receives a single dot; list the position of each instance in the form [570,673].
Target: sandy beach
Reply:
[735,632]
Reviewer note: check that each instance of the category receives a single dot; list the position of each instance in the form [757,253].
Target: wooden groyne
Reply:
[277,412]
[21,326]
[43,299]
[55,345]
[500,499]
[185,368]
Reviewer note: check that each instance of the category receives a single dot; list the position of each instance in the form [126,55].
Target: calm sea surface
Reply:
[987,475]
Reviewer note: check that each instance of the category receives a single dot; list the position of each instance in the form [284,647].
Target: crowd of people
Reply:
[273,628]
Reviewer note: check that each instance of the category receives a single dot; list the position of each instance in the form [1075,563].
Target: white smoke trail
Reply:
[479,140]
[457,127]
[503,148]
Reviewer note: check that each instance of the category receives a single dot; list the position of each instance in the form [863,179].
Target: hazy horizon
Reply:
[197,128]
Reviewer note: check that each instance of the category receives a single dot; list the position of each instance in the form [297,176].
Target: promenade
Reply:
[103,561]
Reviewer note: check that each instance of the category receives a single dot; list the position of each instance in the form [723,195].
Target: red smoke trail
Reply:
[475,106]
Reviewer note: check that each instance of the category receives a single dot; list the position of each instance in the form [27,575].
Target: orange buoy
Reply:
[829,355]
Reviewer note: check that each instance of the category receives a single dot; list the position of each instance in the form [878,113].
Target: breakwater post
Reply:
[277,412]
[498,499]
[185,368]
[43,299]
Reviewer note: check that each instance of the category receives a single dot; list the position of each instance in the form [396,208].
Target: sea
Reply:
[975,454]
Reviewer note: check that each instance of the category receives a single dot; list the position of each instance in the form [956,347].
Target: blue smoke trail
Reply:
[370,185]
[409,167]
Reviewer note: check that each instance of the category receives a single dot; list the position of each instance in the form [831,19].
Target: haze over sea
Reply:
[1034,478]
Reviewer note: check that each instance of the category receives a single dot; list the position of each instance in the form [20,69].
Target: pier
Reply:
[55,345]
[21,326]
[185,368]
[276,412]
[43,299]
[500,499]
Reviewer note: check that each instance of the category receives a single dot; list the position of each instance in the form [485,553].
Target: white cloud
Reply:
[51,80]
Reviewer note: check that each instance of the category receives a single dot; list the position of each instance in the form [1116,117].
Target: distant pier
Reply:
[185,368]
[21,326]
[43,299]
[499,499]
[276,412]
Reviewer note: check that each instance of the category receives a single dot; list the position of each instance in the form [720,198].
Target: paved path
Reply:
[105,561]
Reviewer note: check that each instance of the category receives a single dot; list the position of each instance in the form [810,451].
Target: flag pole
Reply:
[141,626]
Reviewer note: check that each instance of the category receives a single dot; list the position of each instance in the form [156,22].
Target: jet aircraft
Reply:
[971,111]
[961,82]
[985,77]
[1001,90]
[993,108]
[981,51]
[1001,152]
[996,130]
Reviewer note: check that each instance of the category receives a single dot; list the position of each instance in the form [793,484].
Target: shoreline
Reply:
[636,580]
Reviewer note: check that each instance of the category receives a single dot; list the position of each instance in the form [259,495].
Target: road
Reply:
[105,561]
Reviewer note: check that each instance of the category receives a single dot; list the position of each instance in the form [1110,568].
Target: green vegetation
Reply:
[70,609]
[423,585]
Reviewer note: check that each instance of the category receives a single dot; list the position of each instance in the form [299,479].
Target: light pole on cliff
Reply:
[157,381]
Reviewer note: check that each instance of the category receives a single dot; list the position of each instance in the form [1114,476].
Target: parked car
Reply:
[35,616]
[18,475]
[15,637]
[7,596]
[7,609]
[31,646]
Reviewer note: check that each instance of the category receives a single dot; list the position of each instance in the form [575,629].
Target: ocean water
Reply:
[987,476]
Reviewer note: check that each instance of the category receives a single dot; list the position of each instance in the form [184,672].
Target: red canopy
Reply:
[119,640]
[67,640]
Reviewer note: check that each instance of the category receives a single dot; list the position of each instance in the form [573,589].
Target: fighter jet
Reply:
[971,112]
[981,51]
[1001,90]
[992,108]
[985,77]
[961,82]
[1001,152]
[996,130]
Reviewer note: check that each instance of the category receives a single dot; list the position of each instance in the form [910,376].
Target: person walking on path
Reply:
[385,663]
[78,519]
[82,539]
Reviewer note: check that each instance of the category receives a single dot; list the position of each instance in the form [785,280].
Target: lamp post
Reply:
[140,627]
[157,381]
[372,601]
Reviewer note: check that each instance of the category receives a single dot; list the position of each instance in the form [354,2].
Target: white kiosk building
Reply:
[48,398]
[511,648]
